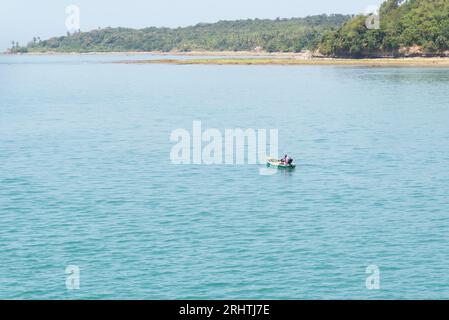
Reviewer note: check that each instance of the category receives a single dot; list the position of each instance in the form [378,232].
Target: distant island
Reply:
[407,28]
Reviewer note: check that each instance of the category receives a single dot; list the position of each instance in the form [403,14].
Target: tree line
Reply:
[280,35]
[406,28]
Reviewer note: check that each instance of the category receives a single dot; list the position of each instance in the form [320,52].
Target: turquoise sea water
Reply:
[86,180]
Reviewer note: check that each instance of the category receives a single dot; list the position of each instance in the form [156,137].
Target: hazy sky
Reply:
[21,20]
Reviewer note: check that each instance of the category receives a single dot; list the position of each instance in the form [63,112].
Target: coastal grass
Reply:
[381,62]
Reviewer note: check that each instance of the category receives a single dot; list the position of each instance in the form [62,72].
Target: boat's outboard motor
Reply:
[290,161]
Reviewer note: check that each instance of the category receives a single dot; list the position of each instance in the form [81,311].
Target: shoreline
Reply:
[255,58]
[379,62]
[171,53]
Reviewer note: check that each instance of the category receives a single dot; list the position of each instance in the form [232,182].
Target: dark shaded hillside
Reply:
[407,28]
[280,35]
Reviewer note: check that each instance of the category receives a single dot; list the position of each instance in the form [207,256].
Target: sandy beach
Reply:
[175,53]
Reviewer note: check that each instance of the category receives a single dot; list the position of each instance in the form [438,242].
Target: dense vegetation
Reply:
[280,35]
[407,28]
[410,27]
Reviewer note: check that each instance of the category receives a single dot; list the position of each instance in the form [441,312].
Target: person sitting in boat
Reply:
[286,160]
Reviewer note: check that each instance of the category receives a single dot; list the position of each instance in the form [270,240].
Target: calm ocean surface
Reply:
[86,180]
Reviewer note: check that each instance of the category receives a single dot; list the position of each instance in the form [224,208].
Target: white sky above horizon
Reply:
[22,20]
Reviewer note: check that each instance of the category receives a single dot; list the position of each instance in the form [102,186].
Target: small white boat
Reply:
[272,162]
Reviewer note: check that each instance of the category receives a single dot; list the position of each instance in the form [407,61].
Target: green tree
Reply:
[422,24]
